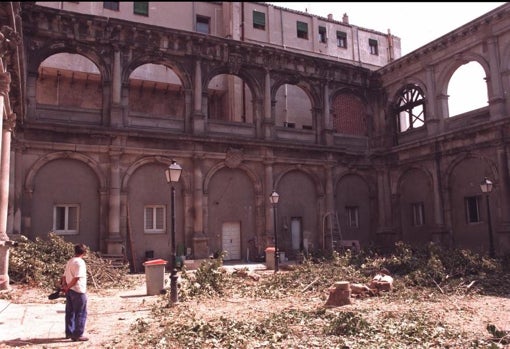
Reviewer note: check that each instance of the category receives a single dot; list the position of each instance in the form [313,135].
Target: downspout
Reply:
[242,21]
[390,46]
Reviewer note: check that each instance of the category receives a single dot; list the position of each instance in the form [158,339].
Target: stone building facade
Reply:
[356,141]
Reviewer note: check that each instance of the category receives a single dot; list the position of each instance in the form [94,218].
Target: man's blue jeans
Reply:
[76,313]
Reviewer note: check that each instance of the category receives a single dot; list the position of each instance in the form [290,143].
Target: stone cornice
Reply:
[442,43]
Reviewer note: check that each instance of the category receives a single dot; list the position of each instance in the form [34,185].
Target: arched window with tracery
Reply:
[410,108]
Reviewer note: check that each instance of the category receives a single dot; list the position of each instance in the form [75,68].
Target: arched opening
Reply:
[467,89]
[156,90]
[293,108]
[410,108]
[69,80]
[230,99]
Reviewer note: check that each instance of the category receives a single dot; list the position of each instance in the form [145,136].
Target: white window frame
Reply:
[352,216]
[66,230]
[418,210]
[154,229]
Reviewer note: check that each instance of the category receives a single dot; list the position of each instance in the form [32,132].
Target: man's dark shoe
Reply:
[80,339]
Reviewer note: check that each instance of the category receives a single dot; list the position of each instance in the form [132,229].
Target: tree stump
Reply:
[339,294]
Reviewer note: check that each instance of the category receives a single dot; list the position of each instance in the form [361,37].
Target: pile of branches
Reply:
[41,263]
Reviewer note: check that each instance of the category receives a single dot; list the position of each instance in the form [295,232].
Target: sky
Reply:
[416,24]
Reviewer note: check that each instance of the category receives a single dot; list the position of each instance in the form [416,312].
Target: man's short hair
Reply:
[80,249]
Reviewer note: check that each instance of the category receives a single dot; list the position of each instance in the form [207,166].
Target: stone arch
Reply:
[311,92]
[345,173]
[56,47]
[415,201]
[150,160]
[465,203]
[466,156]
[449,69]
[254,84]
[257,184]
[182,73]
[319,188]
[354,207]
[240,108]
[395,90]
[453,64]
[233,199]
[29,181]
[409,110]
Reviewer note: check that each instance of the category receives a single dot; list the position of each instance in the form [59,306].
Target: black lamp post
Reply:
[273,198]
[173,173]
[486,186]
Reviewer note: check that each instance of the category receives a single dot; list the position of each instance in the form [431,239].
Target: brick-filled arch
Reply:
[348,114]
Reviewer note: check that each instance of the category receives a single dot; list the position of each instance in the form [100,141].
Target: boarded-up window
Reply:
[348,114]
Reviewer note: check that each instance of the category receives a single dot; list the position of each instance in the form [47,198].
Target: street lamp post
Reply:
[486,186]
[173,173]
[273,198]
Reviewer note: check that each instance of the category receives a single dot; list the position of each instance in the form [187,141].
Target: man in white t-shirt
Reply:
[74,284]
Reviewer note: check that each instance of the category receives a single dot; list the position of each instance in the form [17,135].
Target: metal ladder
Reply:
[330,220]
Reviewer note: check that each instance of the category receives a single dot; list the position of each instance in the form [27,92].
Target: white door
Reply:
[295,231]
[231,240]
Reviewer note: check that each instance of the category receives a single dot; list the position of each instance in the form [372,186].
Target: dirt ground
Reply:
[112,312]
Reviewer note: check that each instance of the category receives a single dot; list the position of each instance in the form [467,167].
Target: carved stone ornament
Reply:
[234,157]
[235,61]
[5,83]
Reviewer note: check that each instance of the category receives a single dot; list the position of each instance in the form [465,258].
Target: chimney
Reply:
[345,19]
[330,17]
